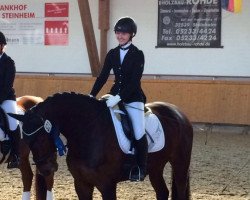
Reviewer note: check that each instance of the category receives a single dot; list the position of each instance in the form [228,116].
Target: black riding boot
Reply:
[5,147]
[139,173]
[13,161]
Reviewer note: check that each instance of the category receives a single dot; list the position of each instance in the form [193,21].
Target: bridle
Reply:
[32,133]
[42,159]
[53,133]
[46,124]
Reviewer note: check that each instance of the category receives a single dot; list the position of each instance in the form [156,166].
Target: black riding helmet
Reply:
[2,39]
[126,25]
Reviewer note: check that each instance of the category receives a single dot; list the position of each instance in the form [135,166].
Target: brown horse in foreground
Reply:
[42,183]
[94,157]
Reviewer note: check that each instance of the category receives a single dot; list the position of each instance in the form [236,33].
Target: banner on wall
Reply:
[189,23]
[35,23]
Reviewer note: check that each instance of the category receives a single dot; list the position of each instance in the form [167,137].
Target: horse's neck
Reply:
[79,122]
[69,114]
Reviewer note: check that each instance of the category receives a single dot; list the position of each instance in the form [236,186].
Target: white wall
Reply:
[232,60]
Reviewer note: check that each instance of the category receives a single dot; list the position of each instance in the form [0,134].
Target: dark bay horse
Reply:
[42,183]
[94,157]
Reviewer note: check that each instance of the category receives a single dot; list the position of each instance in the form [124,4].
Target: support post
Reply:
[89,36]
[104,12]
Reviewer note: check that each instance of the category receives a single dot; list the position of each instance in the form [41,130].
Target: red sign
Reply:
[57,9]
[56,33]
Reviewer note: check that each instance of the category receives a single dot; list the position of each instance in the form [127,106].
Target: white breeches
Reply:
[136,114]
[9,106]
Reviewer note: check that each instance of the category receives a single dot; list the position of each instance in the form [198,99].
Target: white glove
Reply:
[113,100]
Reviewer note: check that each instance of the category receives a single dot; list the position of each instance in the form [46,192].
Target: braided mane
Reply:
[78,99]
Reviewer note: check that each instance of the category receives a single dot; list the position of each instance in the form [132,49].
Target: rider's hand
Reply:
[113,100]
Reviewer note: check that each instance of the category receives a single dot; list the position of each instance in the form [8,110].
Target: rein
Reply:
[32,133]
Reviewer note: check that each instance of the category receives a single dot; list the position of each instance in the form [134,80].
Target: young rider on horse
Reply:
[127,63]
[8,103]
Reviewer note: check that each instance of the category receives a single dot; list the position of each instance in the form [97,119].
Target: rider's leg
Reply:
[5,142]
[10,106]
[14,139]
[136,114]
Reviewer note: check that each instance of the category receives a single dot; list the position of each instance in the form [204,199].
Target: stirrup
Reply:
[14,162]
[135,174]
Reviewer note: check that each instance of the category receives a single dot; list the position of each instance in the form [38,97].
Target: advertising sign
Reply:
[189,23]
[56,23]
[35,23]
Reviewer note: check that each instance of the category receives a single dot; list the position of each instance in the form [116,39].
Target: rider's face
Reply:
[122,38]
[2,48]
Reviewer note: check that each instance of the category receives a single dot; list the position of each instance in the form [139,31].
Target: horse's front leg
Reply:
[49,183]
[44,186]
[26,171]
[108,191]
[84,190]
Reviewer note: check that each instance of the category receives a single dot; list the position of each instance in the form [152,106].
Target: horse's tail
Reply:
[181,177]
[185,151]
[40,186]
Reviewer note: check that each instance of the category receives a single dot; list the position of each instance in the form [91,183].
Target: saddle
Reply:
[126,123]
[126,138]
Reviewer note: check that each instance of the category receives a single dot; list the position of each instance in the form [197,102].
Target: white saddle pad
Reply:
[20,111]
[154,130]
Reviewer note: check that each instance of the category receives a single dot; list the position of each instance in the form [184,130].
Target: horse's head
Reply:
[40,136]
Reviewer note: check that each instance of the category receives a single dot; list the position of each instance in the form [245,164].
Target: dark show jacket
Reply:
[7,77]
[128,75]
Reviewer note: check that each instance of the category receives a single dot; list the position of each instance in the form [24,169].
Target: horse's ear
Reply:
[17,116]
